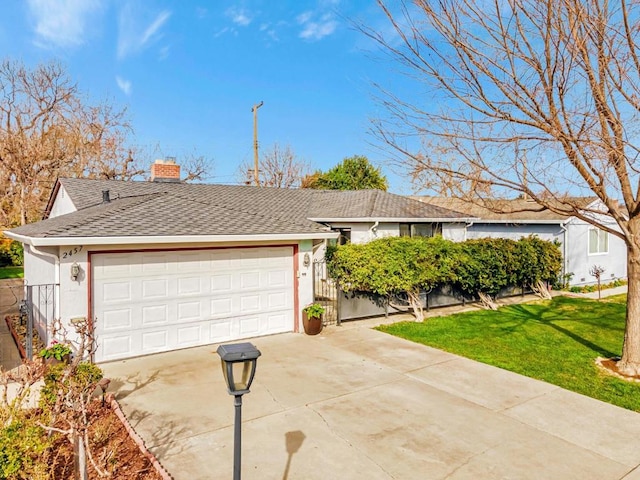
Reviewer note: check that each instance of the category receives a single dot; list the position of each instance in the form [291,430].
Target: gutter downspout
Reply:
[565,242]
[56,279]
[374,229]
[466,229]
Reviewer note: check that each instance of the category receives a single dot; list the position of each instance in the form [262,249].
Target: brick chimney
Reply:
[165,170]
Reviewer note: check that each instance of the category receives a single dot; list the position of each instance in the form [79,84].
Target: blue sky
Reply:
[190,71]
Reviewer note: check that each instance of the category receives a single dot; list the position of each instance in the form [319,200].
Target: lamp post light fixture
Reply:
[238,362]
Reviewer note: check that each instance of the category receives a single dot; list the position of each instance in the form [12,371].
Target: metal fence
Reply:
[325,292]
[35,307]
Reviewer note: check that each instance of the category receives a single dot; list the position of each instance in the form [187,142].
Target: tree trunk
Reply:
[629,364]
[416,304]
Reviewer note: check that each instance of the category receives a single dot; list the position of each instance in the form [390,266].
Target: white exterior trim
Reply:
[138,240]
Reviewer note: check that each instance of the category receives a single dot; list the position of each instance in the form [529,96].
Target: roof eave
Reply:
[554,221]
[137,240]
[395,219]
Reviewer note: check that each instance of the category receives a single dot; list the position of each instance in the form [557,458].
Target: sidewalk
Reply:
[608,292]
[9,292]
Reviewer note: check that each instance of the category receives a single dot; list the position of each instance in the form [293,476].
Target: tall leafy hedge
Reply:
[395,265]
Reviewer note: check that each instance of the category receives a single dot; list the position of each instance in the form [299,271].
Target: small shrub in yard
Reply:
[11,253]
[23,447]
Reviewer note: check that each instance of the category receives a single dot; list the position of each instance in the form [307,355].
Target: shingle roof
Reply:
[334,204]
[179,209]
[514,210]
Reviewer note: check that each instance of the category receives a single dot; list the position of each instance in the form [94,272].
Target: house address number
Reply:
[72,252]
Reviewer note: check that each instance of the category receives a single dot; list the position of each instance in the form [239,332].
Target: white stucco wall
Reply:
[39,269]
[40,275]
[74,301]
[580,261]
[305,275]
[456,232]
[549,232]
[62,204]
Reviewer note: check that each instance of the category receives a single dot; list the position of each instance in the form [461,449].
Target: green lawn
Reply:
[11,272]
[556,341]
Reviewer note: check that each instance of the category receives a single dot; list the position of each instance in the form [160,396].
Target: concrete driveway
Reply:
[354,403]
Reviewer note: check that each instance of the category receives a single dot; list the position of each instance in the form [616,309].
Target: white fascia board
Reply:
[394,220]
[524,222]
[61,241]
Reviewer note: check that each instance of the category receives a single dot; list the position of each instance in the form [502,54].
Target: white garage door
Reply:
[148,302]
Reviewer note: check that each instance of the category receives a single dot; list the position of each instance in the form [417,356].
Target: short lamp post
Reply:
[238,366]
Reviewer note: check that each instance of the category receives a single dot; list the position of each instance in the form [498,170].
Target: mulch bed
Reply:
[18,331]
[116,447]
[610,366]
[113,448]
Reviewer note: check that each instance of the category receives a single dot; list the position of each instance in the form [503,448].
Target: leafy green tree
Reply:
[353,173]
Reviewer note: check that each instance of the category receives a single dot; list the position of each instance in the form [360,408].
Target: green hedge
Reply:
[11,253]
[395,265]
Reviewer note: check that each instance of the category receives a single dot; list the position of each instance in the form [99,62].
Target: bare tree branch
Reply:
[523,97]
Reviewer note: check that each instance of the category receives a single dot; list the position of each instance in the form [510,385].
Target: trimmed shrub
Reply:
[482,267]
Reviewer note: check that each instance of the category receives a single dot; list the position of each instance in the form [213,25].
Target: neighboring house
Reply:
[582,244]
[162,265]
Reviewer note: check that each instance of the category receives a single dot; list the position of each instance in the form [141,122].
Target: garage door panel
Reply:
[117,292]
[155,263]
[116,346]
[250,326]
[277,322]
[168,300]
[276,278]
[190,311]
[189,335]
[276,300]
[249,304]
[221,330]
[190,286]
[249,280]
[114,320]
[154,340]
[155,314]
[221,306]
[191,263]
[222,283]
[158,288]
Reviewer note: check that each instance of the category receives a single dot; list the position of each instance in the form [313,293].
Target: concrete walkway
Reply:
[10,294]
[354,403]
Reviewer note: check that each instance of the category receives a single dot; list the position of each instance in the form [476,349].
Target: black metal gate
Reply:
[325,292]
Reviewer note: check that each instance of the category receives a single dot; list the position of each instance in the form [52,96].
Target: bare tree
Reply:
[536,97]
[279,168]
[47,129]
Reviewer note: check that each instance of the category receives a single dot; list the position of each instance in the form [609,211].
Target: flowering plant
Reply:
[57,350]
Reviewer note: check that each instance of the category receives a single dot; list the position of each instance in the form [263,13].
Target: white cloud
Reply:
[239,16]
[62,23]
[124,85]
[130,38]
[201,12]
[304,17]
[316,30]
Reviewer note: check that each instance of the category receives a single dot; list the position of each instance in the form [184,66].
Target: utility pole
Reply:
[255,142]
